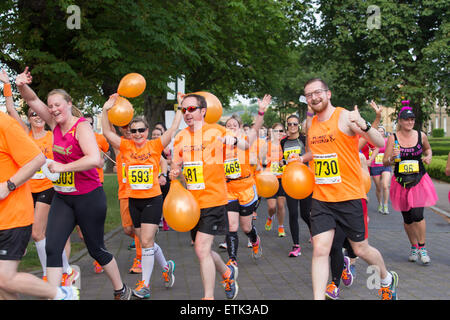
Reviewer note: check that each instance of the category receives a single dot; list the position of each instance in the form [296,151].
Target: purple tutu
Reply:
[421,195]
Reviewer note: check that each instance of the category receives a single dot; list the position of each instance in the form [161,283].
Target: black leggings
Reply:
[413,215]
[305,211]
[86,210]
[340,241]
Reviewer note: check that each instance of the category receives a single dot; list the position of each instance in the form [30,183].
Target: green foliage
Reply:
[436,169]
[440,146]
[438,133]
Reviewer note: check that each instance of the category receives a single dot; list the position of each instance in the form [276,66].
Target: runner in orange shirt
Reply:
[20,158]
[142,157]
[199,150]
[41,187]
[332,138]
[276,203]
[241,186]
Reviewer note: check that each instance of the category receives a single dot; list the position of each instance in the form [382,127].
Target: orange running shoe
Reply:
[136,267]
[97,267]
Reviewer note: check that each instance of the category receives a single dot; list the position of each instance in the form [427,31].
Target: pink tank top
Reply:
[66,149]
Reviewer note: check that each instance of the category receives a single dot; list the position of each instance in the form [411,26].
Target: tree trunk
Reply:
[154,108]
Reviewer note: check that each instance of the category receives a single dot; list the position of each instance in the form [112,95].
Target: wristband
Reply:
[7,90]
[260,113]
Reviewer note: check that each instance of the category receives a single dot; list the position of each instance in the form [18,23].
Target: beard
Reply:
[319,104]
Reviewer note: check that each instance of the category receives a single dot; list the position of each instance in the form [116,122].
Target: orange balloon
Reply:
[266,184]
[297,180]
[367,181]
[180,209]
[214,107]
[121,113]
[131,85]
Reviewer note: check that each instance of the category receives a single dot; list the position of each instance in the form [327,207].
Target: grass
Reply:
[30,262]
[440,146]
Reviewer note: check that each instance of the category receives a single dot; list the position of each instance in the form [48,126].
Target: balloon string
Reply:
[109,157]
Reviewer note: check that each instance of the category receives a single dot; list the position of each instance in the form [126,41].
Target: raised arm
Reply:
[108,130]
[30,97]
[9,100]
[170,133]
[262,107]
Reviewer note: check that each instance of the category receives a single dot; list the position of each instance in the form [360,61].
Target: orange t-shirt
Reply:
[336,161]
[103,146]
[39,182]
[142,167]
[202,154]
[238,171]
[123,191]
[274,155]
[16,150]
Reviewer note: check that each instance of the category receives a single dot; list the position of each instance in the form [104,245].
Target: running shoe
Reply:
[281,232]
[424,257]
[347,276]
[142,291]
[165,225]
[386,209]
[69,279]
[125,294]
[332,292]
[223,245]
[132,246]
[97,267]
[257,249]
[380,208]
[249,244]
[268,225]
[390,292]
[168,276]
[44,278]
[70,293]
[296,251]
[414,254]
[136,267]
[230,283]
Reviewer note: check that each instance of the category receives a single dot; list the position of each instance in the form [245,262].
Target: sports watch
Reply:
[11,185]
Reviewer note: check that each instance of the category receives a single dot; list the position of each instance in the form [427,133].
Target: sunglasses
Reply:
[281,130]
[141,130]
[292,124]
[33,114]
[190,109]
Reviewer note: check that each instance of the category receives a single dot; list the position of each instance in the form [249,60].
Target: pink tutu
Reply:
[421,195]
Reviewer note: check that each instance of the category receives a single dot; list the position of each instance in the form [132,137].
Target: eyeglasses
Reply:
[316,93]
[33,114]
[190,109]
[141,130]
[292,124]
[281,130]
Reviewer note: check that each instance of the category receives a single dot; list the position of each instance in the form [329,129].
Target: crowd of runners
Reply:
[51,182]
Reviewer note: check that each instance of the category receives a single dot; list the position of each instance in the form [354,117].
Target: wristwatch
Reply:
[11,185]
[368,125]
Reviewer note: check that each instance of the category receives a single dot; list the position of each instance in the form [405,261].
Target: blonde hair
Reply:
[235,117]
[63,93]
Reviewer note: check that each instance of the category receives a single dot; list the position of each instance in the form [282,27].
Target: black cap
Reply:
[406,114]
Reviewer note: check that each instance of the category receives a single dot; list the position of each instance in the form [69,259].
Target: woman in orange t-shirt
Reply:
[276,203]
[141,157]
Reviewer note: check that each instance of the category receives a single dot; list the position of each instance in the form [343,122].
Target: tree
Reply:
[406,54]
[224,47]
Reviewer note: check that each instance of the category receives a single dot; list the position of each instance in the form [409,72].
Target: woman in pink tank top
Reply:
[80,199]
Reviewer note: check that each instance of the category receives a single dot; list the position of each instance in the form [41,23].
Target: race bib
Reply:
[288,151]
[140,177]
[38,175]
[326,168]
[232,169]
[379,158]
[193,174]
[66,182]
[408,166]
[276,169]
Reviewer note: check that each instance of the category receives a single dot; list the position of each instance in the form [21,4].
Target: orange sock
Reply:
[137,243]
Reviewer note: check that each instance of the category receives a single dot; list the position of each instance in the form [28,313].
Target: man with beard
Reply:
[332,138]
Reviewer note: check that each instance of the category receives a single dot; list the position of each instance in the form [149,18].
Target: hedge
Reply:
[436,169]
